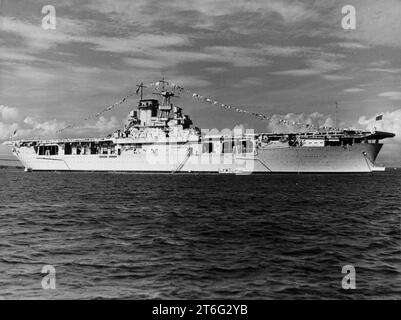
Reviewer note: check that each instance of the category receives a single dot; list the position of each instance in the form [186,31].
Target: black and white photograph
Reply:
[223,151]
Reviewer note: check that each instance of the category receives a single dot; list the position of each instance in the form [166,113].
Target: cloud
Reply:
[392,95]
[37,38]
[29,128]
[146,63]
[379,63]
[16,54]
[8,113]
[215,69]
[387,70]
[288,51]
[34,127]
[297,72]
[351,45]
[102,125]
[391,122]
[354,90]
[78,31]
[140,43]
[377,23]
[146,12]
[238,56]
[161,59]
[325,64]
[317,66]
[248,82]
[189,81]
[37,75]
[315,118]
[335,77]
[290,12]
[6,130]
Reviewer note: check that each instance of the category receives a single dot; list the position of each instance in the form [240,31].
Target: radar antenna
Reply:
[163,82]
[167,95]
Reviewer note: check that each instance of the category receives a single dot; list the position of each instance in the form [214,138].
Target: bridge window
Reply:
[247,146]
[48,150]
[94,149]
[207,147]
[67,148]
[228,146]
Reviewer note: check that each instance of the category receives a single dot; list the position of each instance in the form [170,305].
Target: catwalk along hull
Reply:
[356,158]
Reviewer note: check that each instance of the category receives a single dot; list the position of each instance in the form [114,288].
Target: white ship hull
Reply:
[357,158]
[158,137]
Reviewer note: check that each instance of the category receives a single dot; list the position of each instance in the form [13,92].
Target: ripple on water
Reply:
[195,236]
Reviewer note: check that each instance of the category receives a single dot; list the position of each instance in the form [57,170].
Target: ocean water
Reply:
[184,236]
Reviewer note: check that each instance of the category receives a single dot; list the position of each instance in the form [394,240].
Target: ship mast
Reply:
[167,95]
[335,117]
[163,82]
[140,88]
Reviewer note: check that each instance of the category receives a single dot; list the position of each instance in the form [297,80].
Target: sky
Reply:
[286,59]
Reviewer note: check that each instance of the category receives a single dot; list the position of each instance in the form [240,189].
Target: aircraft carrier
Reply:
[159,138]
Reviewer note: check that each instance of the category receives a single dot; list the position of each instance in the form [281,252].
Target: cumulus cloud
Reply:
[36,127]
[102,125]
[6,130]
[391,122]
[315,119]
[31,127]
[8,113]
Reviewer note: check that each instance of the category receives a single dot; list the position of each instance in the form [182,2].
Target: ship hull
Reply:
[355,158]
[358,158]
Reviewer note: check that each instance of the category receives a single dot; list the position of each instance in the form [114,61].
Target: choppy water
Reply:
[199,236]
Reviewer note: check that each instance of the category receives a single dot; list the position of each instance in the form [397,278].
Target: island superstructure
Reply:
[158,137]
